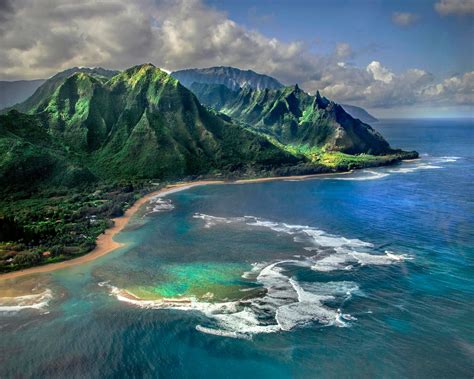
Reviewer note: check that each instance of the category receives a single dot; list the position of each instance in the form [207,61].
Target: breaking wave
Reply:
[364,175]
[287,304]
[284,303]
[34,301]
[325,244]
[158,204]
[424,163]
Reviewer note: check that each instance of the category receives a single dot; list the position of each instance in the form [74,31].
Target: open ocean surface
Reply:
[363,275]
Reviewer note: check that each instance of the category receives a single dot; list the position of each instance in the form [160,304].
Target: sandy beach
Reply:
[105,242]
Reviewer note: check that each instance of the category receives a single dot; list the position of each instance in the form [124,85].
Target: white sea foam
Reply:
[340,253]
[363,175]
[301,233]
[34,301]
[332,262]
[412,167]
[447,159]
[322,238]
[210,221]
[286,303]
[426,162]
[256,268]
[221,333]
[309,308]
[345,259]
[158,204]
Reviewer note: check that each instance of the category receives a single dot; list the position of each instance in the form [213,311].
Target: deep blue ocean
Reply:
[369,274]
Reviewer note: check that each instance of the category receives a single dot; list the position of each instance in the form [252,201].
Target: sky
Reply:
[397,58]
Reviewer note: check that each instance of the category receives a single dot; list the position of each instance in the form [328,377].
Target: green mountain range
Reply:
[138,124]
[97,125]
[48,88]
[294,117]
[30,157]
[89,142]
[235,79]
[231,77]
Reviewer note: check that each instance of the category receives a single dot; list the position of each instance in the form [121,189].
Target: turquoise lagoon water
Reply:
[363,275]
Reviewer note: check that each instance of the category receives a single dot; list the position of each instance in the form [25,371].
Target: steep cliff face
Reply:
[234,79]
[294,117]
[30,157]
[46,89]
[142,123]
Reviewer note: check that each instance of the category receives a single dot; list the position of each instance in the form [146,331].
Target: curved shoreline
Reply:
[105,243]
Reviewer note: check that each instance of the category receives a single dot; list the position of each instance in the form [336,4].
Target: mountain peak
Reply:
[292,116]
[321,101]
[144,72]
[143,66]
[92,71]
[296,88]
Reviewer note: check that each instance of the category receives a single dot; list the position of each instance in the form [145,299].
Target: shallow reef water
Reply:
[365,274]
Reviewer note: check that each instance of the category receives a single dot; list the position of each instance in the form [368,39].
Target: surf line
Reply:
[105,243]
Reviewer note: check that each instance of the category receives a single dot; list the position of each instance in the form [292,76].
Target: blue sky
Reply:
[396,58]
[442,45]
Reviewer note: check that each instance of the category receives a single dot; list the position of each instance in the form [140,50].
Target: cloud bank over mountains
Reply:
[40,37]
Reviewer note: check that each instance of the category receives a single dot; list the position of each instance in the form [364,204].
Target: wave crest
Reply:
[34,301]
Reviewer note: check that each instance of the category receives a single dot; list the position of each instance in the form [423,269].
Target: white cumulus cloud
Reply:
[39,38]
[379,72]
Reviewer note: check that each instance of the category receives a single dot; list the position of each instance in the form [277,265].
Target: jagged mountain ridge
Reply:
[142,123]
[231,77]
[294,117]
[49,86]
[15,92]
[234,79]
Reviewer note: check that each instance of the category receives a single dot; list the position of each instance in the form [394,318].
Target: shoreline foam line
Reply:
[105,243]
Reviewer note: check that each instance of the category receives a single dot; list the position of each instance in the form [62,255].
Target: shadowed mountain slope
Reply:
[142,123]
[294,117]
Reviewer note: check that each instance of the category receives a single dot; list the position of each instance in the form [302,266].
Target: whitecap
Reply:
[363,175]
[210,221]
[287,304]
[158,204]
[343,252]
[426,162]
[221,333]
[322,238]
[301,232]
[345,259]
[449,159]
[33,301]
